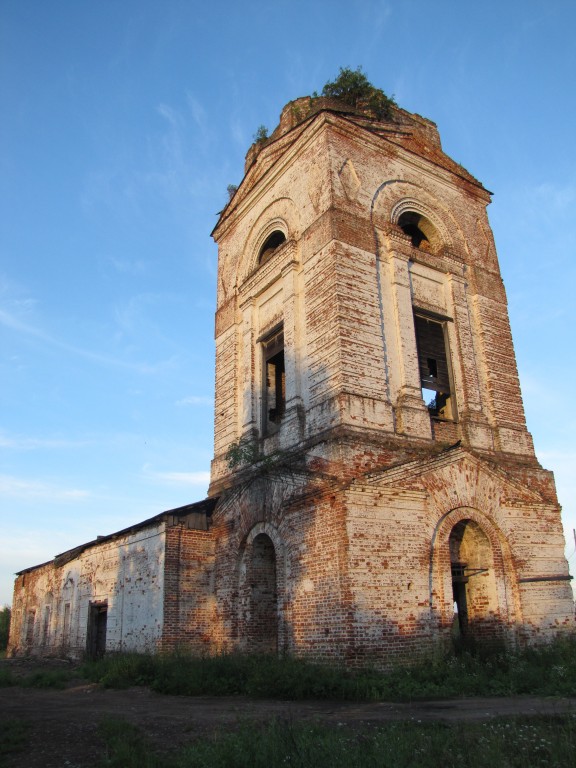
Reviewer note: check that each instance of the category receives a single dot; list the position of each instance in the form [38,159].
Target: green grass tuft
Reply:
[13,734]
[504,743]
[545,671]
[6,678]
[125,746]
[46,678]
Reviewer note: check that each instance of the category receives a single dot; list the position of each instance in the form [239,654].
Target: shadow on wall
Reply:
[295,571]
[104,598]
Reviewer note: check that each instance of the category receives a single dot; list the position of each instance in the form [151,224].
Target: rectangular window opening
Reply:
[97,629]
[433,361]
[274,384]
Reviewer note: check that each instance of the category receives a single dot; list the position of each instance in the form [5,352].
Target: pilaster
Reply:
[476,430]
[246,383]
[412,417]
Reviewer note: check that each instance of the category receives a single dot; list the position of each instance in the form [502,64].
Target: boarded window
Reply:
[274,384]
[434,367]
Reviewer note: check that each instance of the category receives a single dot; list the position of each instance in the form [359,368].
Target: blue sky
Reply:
[124,122]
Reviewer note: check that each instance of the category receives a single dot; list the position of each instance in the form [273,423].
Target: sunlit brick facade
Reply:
[374,491]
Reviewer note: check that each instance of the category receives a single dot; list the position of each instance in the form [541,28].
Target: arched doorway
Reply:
[262,634]
[473,582]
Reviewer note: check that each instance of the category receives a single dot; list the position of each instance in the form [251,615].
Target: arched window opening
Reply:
[272,242]
[263,627]
[473,582]
[421,232]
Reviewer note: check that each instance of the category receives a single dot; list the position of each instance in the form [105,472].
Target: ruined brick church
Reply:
[374,489]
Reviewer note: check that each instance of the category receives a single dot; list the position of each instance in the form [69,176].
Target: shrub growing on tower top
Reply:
[353,88]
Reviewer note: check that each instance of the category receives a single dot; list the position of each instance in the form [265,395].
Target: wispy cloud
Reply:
[197,111]
[554,196]
[128,266]
[239,133]
[196,400]
[177,478]
[12,321]
[19,442]
[18,488]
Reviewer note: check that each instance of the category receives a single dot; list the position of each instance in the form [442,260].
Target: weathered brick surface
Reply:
[189,573]
[368,573]
[366,517]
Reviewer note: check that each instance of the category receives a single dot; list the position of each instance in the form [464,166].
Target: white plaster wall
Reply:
[127,572]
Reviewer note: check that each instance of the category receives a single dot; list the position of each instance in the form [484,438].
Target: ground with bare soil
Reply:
[62,725]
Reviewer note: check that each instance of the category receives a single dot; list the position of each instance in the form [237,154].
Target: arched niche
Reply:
[260,589]
[262,630]
[473,581]
[278,219]
[407,205]
[421,217]
[472,570]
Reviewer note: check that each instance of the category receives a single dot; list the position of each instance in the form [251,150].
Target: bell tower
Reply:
[359,296]
[371,452]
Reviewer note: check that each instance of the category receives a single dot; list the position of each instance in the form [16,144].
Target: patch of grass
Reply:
[13,733]
[6,678]
[503,743]
[125,746]
[225,675]
[394,745]
[122,670]
[545,671]
[258,676]
[45,678]
[41,678]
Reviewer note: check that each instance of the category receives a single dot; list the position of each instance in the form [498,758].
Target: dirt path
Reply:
[63,725]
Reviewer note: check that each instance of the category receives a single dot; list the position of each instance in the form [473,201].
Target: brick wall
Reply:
[361,542]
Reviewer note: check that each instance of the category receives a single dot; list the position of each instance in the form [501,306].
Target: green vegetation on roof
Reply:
[353,88]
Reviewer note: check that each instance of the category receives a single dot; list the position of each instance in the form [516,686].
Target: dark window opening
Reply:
[459,581]
[434,367]
[475,599]
[97,628]
[274,389]
[273,242]
[418,228]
